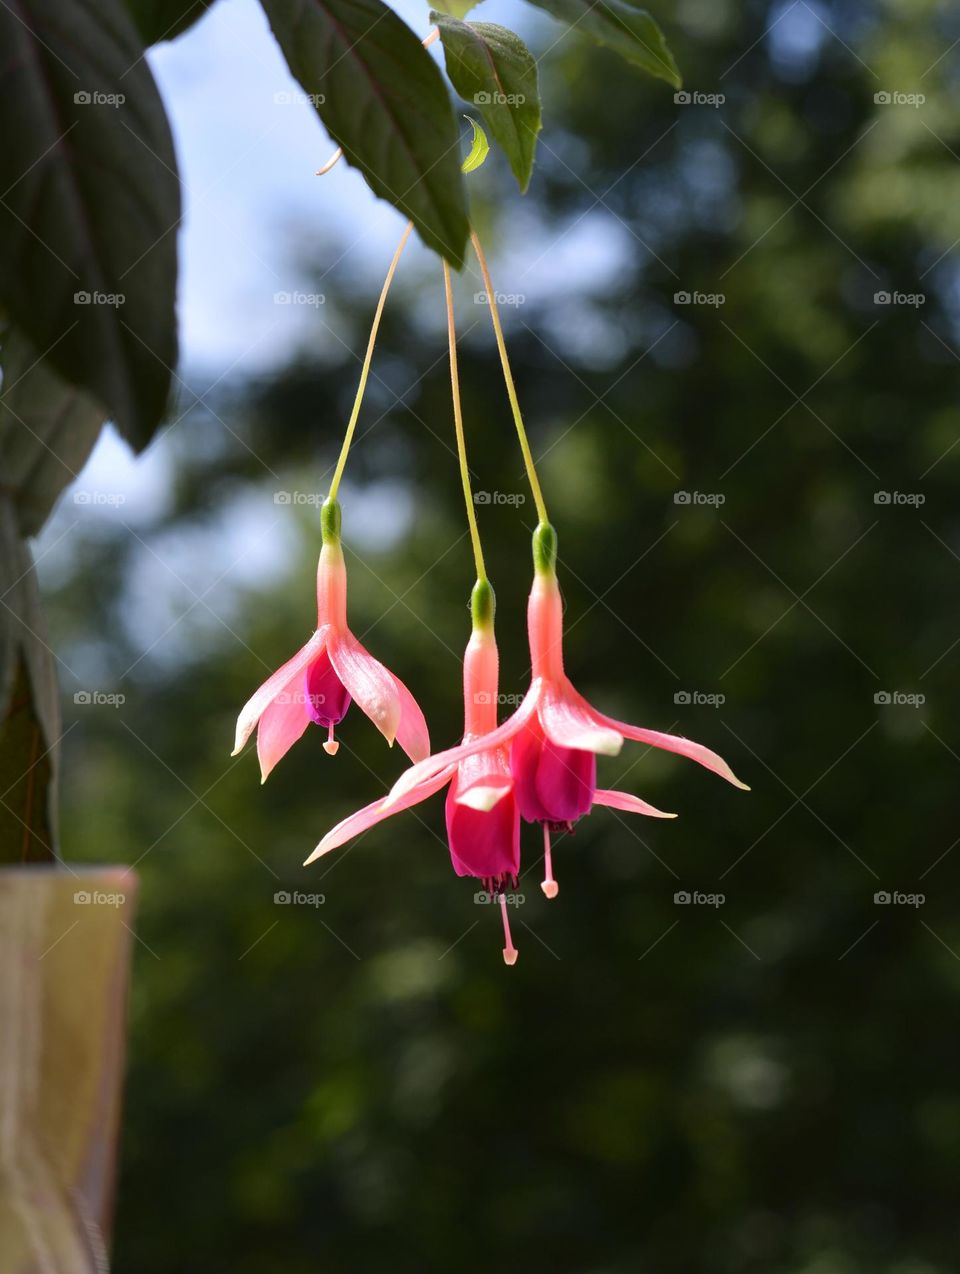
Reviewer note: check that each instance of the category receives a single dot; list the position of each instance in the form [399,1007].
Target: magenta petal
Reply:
[669,743]
[630,804]
[524,764]
[570,724]
[554,784]
[370,684]
[281,724]
[412,733]
[453,756]
[374,813]
[566,781]
[327,698]
[257,704]
[483,842]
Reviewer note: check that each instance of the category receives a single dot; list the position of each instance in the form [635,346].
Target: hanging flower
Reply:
[318,683]
[482,815]
[555,734]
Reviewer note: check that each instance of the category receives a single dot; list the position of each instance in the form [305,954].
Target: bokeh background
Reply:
[766,1084]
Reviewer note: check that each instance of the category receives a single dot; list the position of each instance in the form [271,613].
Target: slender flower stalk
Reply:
[458,426]
[511,387]
[367,359]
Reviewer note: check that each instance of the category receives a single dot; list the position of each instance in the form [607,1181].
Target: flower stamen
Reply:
[331,746]
[510,952]
[548,884]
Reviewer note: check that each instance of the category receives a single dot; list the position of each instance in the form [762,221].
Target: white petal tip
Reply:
[482,798]
[331,747]
[603,742]
[237,750]
[313,857]
[510,955]
[550,888]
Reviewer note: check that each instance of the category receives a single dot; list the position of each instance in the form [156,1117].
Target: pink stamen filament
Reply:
[331,746]
[510,952]
[549,885]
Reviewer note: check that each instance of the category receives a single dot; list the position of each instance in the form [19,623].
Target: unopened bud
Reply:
[483,604]
[545,549]
[330,522]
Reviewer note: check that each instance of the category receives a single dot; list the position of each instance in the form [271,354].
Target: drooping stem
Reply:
[365,370]
[511,388]
[458,425]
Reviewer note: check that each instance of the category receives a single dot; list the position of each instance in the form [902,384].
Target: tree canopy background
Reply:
[768,1085]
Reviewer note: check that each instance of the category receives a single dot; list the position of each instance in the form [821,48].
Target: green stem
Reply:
[511,388]
[365,371]
[458,425]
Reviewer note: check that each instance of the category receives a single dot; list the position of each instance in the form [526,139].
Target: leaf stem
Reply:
[458,425]
[365,370]
[511,387]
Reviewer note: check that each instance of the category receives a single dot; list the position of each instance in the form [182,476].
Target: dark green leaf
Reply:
[620,26]
[29,708]
[382,98]
[165,19]
[91,204]
[493,68]
[47,431]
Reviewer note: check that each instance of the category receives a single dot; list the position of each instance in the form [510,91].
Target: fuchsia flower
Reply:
[483,818]
[318,683]
[555,734]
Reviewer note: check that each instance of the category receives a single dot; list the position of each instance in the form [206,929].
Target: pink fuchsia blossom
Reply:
[555,735]
[318,683]
[482,815]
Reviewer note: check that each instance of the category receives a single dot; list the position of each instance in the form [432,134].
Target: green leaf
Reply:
[383,100]
[479,148]
[621,26]
[47,430]
[165,19]
[90,204]
[493,69]
[29,706]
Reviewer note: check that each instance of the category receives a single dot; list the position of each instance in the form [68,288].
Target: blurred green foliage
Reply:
[767,1087]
